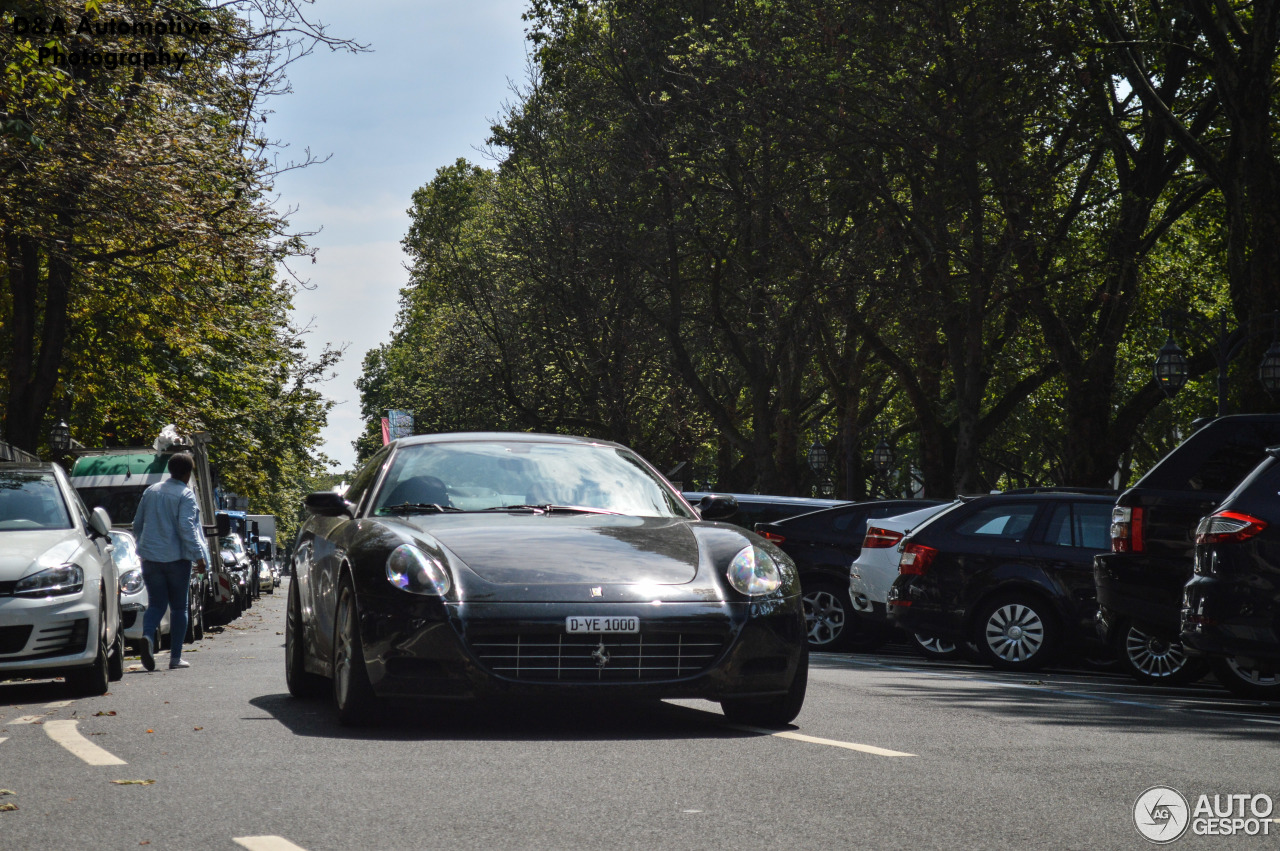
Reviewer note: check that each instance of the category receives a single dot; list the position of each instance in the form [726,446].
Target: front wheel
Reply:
[115,664]
[1016,633]
[772,711]
[93,679]
[938,649]
[351,687]
[1247,680]
[1155,661]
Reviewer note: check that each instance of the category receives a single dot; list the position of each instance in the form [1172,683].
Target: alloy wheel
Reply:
[1014,632]
[1152,656]
[824,616]
[1256,677]
[934,645]
[342,648]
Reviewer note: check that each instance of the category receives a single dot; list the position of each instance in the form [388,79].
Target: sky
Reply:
[438,76]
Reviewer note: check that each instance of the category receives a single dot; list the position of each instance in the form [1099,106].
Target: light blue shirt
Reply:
[167,524]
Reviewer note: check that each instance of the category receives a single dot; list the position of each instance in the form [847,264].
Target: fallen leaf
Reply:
[4,792]
[8,808]
[100,712]
[145,842]
[133,782]
[151,731]
[199,728]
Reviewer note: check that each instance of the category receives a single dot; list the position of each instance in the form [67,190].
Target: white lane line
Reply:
[58,704]
[66,734]
[834,743]
[5,739]
[266,843]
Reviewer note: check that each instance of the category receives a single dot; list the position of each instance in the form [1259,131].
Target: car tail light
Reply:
[916,559]
[1126,530]
[1226,527]
[880,539]
[773,536]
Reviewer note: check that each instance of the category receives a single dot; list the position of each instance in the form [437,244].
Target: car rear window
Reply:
[1215,458]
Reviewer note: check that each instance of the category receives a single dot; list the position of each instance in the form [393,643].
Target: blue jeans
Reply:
[168,585]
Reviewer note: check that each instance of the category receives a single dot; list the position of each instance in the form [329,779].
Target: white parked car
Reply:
[133,592]
[59,587]
[876,567]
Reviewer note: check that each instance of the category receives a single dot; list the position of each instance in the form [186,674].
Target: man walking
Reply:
[167,526]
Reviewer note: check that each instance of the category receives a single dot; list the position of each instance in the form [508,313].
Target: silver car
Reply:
[59,586]
[133,591]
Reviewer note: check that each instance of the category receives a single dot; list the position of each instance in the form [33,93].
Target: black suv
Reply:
[1231,606]
[1140,582]
[823,544]
[1008,572]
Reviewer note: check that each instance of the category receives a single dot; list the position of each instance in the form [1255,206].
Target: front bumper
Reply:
[710,650]
[42,637]
[1222,618]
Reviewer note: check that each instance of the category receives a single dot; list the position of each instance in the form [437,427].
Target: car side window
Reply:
[1009,520]
[1085,525]
[365,478]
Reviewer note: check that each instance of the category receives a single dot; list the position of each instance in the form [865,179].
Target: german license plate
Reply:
[576,624]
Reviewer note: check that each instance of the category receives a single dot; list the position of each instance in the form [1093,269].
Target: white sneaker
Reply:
[179,663]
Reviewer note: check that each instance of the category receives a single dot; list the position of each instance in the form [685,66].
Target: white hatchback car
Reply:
[876,567]
[59,587]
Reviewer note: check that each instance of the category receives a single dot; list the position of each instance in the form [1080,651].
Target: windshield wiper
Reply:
[416,507]
[552,509]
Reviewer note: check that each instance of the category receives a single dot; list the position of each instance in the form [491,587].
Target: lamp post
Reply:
[60,437]
[817,458]
[1170,368]
[882,456]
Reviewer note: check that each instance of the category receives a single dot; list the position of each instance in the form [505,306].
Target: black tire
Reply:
[937,649]
[301,683]
[772,711]
[1154,661]
[193,613]
[115,663]
[93,679]
[197,620]
[1016,632]
[352,690]
[1253,683]
[828,616]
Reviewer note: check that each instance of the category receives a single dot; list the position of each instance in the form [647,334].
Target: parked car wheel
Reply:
[195,619]
[774,711]
[1016,633]
[301,683]
[939,649]
[93,679]
[828,616]
[115,662]
[1155,661]
[351,687]
[1243,681]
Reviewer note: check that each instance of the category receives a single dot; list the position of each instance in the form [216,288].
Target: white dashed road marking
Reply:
[834,743]
[267,843]
[58,704]
[26,719]
[66,734]
[5,739]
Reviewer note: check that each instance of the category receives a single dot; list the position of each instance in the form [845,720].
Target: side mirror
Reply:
[328,504]
[717,506]
[223,522]
[100,522]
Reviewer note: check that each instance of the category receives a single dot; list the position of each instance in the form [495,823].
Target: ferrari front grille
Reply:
[551,657]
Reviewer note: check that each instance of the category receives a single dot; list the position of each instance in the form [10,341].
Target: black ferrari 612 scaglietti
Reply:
[464,566]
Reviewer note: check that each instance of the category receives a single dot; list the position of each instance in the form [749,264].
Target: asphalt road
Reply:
[889,752]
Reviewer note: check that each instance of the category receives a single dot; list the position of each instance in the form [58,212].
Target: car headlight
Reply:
[754,572]
[410,569]
[51,582]
[131,581]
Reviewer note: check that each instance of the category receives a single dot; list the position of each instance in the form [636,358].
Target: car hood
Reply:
[593,549]
[22,553]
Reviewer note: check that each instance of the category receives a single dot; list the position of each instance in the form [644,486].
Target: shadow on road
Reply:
[506,721]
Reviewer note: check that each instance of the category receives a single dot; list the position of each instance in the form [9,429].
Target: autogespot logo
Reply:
[1161,814]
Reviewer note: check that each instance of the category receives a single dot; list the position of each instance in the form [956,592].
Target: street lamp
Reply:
[1171,368]
[60,437]
[882,456]
[817,458]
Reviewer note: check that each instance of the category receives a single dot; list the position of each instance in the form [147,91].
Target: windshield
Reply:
[232,544]
[474,476]
[31,501]
[121,503]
